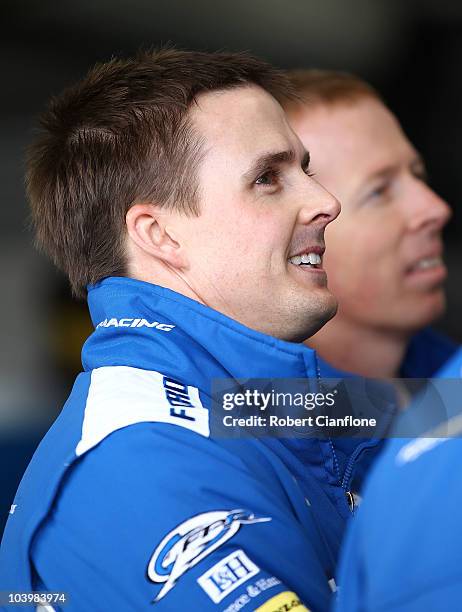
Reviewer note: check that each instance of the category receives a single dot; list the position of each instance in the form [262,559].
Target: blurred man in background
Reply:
[385,256]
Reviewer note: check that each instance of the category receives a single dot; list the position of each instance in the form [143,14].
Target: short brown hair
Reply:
[119,136]
[327,87]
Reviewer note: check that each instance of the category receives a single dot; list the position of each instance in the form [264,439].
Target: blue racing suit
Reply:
[403,551]
[427,353]
[130,504]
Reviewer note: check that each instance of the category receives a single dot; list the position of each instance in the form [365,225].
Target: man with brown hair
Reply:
[172,189]
[385,252]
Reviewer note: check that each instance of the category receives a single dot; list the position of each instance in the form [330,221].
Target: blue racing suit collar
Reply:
[123,311]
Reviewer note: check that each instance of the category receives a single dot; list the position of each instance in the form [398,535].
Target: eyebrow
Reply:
[392,168]
[269,160]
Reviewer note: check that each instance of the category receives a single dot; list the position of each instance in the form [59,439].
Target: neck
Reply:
[163,276]
[366,351]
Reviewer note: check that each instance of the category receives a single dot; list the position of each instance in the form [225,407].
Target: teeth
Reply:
[314,258]
[428,262]
[307,258]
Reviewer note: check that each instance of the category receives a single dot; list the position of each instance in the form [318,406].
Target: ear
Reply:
[149,227]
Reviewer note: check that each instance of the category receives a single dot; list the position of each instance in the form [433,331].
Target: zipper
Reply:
[357,452]
[352,460]
[350,498]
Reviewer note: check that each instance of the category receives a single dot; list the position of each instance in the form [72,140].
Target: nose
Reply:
[429,210]
[320,206]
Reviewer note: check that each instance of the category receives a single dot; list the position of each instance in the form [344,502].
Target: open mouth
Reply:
[426,263]
[308,260]
[427,272]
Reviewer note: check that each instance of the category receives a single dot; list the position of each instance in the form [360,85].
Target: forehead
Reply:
[242,122]
[363,135]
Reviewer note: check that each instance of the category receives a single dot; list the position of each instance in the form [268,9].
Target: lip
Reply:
[429,254]
[310,275]
[430,276]
[426,278]
[318,249]
[316,274]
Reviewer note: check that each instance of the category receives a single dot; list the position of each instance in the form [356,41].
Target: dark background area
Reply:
[411,51]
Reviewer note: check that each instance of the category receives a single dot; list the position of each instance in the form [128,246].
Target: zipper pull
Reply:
[351,500]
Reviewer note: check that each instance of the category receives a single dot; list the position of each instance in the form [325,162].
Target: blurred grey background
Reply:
[411,51]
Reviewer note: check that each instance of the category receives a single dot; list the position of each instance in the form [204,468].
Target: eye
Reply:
[420,173]
[306,170]
[380,192]
[269,178]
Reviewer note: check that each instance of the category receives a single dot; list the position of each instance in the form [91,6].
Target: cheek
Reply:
[239,244]
[260,238]
[361,269]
